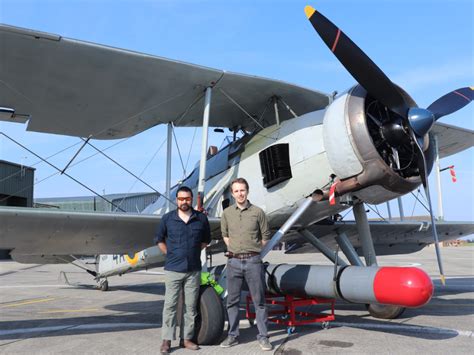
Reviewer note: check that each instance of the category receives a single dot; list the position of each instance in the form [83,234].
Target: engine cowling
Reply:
[367,155]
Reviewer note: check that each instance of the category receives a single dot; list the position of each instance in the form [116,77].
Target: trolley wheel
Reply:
[290,330]
[325,325]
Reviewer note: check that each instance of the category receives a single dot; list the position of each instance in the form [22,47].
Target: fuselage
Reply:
[287,162]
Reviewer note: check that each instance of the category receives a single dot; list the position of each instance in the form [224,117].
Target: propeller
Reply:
[410,124]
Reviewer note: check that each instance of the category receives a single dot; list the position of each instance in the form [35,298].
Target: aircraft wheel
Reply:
[104,285]
[385,311]
[210,319]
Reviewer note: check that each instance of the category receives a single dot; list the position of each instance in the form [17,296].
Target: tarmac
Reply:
[56,309]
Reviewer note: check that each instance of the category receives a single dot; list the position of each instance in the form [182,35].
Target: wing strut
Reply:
[438,179]
[323,248]
[286,226]
[169,141]
[203,161]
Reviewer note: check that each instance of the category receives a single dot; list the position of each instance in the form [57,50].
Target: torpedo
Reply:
[401,286]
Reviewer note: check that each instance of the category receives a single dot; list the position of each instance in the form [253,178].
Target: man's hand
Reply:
[163,248]
[264,242]
[203,246]
[226,240]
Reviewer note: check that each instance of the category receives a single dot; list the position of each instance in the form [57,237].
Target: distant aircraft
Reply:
[307,156]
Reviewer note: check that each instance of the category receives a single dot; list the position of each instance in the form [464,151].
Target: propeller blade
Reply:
[424,178]
[451,102]
[358,64]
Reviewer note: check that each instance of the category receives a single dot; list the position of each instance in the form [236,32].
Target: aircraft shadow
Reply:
[157,288]
[370,324]
[154,288]
[454,286]
[80,325]
[147,307]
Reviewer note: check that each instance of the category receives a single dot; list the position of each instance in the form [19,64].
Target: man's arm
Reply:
[224,230]
[264,228]
[206,237]
[163,248]
[160,236]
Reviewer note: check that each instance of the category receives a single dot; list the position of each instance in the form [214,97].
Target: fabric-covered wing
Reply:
[389,237]
[452,139]
[33,231]
[77,88]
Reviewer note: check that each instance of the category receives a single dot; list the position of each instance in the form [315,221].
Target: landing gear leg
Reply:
[375,310]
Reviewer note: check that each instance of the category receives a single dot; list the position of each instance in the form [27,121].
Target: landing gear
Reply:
[384,311]
[104,285]
[210,319]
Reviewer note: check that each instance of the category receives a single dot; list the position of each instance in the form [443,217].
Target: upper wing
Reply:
[389,237]
[76,88]
[31,231]
[452,139]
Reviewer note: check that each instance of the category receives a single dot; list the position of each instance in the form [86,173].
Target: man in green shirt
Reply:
[245,231]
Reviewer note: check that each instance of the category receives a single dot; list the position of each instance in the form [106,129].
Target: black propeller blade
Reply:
[421,120]
[452,102]
[416,121]
[358,64]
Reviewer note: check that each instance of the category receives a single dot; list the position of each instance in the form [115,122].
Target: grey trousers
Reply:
[252,271]
[175,282]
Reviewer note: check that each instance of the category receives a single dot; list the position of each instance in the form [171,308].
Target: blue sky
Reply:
[424,46]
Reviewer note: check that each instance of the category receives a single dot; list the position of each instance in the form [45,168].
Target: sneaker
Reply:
[265,344]
[229,341]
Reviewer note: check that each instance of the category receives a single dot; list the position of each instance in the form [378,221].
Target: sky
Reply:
[426,46]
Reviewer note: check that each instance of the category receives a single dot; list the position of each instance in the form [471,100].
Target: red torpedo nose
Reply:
[403,286]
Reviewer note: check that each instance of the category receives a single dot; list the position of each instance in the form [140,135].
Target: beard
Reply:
[184,207]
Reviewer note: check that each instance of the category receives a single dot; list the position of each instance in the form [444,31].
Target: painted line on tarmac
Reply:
[404,328]
[70,310]
[27,302]
[77,327]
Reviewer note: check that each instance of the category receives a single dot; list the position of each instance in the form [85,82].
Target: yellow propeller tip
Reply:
[309,11]
[443,280]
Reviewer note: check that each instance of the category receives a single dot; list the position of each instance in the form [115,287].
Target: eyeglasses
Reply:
[188,199]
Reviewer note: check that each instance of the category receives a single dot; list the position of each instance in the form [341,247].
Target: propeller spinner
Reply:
[412,123]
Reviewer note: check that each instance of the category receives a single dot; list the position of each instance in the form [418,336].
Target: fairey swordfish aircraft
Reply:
[307,156]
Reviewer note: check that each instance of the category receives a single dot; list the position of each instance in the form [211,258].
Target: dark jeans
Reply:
[250,270]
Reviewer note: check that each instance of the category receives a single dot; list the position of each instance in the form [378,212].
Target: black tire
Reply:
[385,311]
[104,286]
[210,319]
